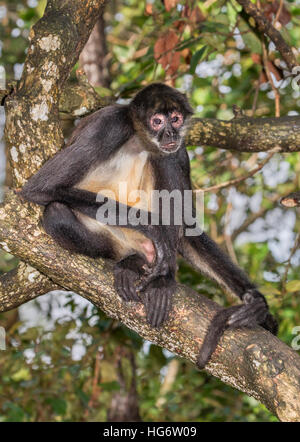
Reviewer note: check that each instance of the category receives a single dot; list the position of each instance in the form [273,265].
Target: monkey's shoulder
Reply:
[112,121]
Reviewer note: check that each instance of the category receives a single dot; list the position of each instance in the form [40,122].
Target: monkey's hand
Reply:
[157,299]
[253,312]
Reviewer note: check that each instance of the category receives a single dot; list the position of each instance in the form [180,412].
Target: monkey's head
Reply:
[160,115]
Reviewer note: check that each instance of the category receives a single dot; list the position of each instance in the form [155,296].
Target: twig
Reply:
[267,28]
[253,217]
[254,104]
[288,265]
[278,13]
[242,178]
[275,90]
[168,382]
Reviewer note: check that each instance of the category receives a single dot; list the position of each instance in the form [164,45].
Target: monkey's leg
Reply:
[209,259]
[164,238]
[158,283]
[62,224]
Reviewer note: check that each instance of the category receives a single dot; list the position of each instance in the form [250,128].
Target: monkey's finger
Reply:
[249,314]
[124,285]
[130,286]
[152,306]
[165,307]
[156,301]
[148,307]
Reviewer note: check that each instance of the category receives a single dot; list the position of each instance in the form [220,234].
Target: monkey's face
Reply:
[160,115]
[166,130]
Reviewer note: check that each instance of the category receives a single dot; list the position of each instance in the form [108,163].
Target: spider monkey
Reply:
[142,145]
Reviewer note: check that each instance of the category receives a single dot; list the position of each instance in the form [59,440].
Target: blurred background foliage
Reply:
[66,361]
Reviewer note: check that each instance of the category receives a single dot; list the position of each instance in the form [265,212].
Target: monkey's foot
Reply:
[252,313]
[157,300]
[127,273]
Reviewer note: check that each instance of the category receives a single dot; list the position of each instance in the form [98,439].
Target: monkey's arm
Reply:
[95,139]
[205,255]
[89,204]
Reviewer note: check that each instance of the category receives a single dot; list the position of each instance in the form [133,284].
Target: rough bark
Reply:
[21,285]
[266,27]
[253,361]
[94,58]
[56,41]
[247,134]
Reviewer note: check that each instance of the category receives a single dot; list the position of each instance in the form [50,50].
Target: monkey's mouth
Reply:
[169,147]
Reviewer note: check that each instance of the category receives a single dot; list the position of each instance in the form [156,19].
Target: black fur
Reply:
[98,138]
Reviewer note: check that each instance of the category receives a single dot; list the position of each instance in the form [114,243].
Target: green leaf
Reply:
[232,14]
[293,286]
[196,58]
[58,405]
[110,386]
[21,375]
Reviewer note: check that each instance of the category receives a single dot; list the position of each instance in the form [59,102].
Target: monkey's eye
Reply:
[176,119]
[157,121]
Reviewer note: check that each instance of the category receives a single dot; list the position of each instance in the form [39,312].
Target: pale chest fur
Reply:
[127,177]
[123,178]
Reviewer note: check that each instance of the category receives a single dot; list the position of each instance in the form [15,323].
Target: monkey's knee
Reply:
[53,209]
[61,223]
[55,216]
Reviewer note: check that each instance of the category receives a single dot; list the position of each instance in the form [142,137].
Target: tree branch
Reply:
[267,28]
[56,41]
[267,369]
[243,134]
[21,285]
[247,134]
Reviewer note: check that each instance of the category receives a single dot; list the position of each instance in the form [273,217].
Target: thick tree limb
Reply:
[21,285]
[56,41]
[253,361]
[247,134]
[94,58]
[266,27]
[243,134]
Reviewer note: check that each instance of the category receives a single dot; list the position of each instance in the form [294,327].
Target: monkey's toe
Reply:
[249,315]
[125,285]
[157,300]
[127,274]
